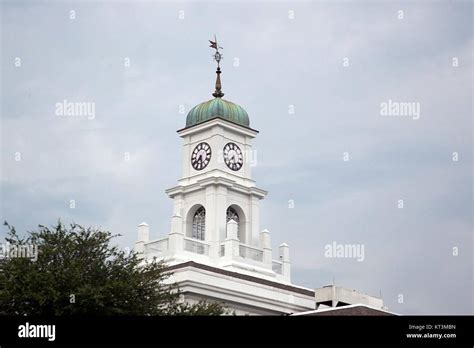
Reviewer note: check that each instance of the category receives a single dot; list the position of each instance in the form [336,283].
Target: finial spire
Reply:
[217,57]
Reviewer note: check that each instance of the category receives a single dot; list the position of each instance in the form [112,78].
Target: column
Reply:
[176,236]
[254,216]
[211,222]
[284,251]
[265,244]
[143,237]
[231,243]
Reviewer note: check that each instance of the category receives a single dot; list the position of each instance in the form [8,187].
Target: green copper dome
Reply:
[217,107]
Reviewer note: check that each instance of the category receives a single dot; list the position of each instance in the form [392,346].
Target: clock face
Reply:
[201,156]
[233,156]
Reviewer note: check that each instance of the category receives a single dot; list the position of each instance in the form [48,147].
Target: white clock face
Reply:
[201,156]
[233,156]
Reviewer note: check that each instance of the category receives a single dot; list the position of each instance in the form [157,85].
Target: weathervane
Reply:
[217,57]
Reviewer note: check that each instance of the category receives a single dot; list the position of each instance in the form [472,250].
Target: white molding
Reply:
[216,180]
[245,292]
[329,309]
[218,122]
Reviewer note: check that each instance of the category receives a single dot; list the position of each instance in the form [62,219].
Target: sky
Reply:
[313,77]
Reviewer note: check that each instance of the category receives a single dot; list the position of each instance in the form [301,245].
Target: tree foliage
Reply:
[79,272]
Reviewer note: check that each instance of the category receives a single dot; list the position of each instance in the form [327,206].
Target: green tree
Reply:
[78,272]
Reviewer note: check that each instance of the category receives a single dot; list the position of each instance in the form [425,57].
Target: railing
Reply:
[249,252]
[196,246]
[277,267]
[158,246]
[222,250]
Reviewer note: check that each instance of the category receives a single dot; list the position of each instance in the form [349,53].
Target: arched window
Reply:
[232,215]
[199,224]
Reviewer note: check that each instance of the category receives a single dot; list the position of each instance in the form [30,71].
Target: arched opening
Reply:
[235,213]
[198,228]
[232,215]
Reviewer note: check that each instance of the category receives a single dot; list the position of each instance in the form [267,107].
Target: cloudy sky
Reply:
[332,63]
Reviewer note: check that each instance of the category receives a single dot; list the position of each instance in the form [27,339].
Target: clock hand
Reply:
[232,155]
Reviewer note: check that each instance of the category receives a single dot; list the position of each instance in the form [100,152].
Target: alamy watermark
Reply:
[67,108]
[335,250]
[37,331]
[28,251]
[246,156]
[406,109]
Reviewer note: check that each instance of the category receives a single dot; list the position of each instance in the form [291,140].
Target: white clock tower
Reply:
[215,247]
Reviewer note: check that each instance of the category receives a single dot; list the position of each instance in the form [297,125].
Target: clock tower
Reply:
[216,248]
